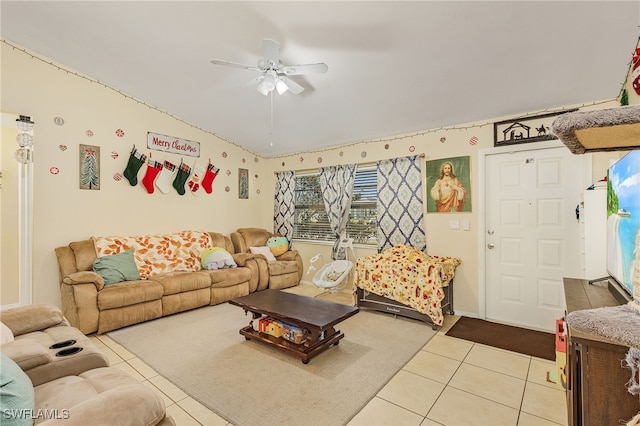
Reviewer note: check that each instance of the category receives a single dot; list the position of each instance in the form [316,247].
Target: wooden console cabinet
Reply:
[596,378]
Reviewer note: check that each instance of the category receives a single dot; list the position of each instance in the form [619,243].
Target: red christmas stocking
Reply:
[153,168]
[209,176]
[635,75]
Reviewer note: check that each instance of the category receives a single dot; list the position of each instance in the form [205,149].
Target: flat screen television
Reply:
[623,224]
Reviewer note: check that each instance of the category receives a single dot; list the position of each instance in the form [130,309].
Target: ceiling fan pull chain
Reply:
[271,101]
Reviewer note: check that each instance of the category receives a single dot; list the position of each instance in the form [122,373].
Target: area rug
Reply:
[249,383]
[522,340]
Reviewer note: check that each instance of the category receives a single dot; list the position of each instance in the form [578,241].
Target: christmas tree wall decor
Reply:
[89,167]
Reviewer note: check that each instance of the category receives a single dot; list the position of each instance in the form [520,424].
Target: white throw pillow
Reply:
[266,251]
[6,335]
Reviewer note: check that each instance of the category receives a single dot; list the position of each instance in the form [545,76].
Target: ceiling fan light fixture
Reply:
[268,83]
[281,86]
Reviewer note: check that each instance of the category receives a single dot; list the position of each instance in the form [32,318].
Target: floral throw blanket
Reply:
[409,276]
[155,254]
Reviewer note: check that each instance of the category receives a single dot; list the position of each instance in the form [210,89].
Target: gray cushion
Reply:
[117,268]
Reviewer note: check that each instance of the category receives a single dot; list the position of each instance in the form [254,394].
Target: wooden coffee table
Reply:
[316,317]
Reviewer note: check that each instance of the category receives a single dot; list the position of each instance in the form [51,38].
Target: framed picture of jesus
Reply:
[449,185]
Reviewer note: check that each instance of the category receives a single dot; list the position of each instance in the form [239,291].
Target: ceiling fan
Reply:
[273,73]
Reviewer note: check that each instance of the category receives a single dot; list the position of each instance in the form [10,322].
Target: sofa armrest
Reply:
[84,277]
[27,353]
[25,319]
[241,258]
[288,255]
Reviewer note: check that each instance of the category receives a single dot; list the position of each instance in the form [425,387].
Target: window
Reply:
[311,222]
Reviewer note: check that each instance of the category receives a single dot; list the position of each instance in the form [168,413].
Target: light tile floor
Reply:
[449,382]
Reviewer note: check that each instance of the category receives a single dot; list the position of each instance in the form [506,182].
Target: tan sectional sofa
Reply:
[54,374]
[92,306]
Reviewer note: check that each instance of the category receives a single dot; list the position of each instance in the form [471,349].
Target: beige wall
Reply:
[65,213]
[9,288]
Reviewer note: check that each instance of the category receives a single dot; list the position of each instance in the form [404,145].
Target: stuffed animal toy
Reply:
[217,258]
[278,245]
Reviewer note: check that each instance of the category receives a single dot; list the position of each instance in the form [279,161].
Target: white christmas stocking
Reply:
[163,182]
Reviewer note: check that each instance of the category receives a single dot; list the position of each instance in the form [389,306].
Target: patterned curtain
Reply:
[336,183]
[400,204]
[284,204]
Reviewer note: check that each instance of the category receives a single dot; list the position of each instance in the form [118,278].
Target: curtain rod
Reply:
[371,163]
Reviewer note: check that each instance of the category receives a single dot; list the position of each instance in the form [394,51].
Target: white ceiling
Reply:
[395,67]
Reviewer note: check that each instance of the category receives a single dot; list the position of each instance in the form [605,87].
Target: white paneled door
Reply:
[531,234]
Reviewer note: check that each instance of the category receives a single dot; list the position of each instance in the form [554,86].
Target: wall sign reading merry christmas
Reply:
[173,145]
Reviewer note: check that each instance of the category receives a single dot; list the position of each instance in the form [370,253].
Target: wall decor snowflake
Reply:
[119,133]
[89,133]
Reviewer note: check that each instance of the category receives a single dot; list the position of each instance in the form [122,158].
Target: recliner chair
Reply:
[286,271]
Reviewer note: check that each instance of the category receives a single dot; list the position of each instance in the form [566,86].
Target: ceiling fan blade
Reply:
[305,69]
[271,52]
[235,65]
[294,87]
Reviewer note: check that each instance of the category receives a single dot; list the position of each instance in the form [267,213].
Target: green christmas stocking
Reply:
[136,160]
[181,178]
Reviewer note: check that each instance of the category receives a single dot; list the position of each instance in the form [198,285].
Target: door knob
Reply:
[490,246]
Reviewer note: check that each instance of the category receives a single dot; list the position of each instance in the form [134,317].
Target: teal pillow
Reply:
[16,394]
[117,267]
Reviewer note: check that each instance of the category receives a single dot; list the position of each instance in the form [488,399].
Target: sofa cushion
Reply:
[229,277]
[106,396]
[25,319]
[85,254]
[282,267]
[16,394]
[129,293]
[116,268]
[181,282]
[265,251]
